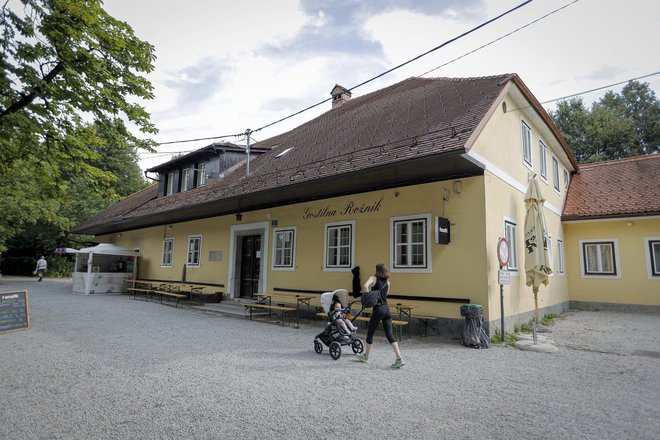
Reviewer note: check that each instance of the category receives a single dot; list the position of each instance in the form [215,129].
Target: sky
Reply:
[224,66]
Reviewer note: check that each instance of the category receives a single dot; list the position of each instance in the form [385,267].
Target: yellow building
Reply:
[425,175]
[612,223]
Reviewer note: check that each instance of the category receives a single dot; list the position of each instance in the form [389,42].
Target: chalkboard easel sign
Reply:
[14,313]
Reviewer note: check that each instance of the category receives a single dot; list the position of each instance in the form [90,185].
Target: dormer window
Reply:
[170,184]
[184,179]
[200,174]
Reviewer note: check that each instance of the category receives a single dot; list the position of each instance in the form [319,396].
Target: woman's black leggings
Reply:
[380,313]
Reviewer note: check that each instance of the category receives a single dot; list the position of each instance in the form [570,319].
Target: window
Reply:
[510,235]
[339,246]
[284,249]
[527,144]
[555,174]
[410,241]
[560,257]
[200,174]
[170,184]
[194,250]
[168,247]
[543,160]
[653,257]
[184,179]
[598,257]
[566,179]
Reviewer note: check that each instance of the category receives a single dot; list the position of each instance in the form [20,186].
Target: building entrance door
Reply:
[250,265]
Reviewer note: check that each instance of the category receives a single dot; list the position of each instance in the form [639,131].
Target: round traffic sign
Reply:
[503,251]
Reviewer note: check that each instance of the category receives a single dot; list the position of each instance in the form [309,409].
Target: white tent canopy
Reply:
[103,268]
[108,249]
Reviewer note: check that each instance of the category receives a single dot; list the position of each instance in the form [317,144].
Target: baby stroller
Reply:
[332,336]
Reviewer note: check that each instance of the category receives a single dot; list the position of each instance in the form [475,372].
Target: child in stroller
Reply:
[338,318]
[334,335]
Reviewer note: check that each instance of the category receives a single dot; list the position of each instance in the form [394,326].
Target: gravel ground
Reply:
[109,367]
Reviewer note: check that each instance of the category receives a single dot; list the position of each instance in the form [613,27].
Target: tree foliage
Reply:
[69,78]
[618,125]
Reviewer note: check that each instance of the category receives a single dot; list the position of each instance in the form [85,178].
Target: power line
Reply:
[544,102]
[525,3]
[603,87]
[501,38]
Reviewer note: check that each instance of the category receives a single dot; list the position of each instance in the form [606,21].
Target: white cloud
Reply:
[224,66]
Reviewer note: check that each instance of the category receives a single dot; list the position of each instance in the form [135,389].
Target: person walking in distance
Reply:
[42,267]
[380,312]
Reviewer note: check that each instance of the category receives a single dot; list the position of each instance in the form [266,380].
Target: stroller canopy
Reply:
[326,299]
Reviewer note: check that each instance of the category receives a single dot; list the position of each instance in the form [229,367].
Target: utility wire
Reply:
[525,3]
[603,87]
[501,38]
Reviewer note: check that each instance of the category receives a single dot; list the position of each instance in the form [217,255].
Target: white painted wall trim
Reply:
[506,178]
[234,232]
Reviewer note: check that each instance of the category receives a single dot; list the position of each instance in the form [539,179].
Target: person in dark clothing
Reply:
[380,312]
[357,285]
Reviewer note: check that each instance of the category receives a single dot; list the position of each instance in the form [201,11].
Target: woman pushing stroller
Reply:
[380,312]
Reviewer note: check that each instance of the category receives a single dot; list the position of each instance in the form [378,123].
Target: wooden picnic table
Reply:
[288,298]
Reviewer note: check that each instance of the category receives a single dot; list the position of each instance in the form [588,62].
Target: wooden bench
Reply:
[284,310]
[163,293]
[136,290]
[424,323]
[395,323]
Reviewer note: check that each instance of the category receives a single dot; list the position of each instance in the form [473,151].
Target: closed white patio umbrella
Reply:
[537,255]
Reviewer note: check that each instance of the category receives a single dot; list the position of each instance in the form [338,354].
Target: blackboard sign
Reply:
[14,314]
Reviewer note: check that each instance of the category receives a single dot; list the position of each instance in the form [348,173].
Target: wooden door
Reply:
[250,265]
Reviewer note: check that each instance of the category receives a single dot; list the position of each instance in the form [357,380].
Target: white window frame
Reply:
[510,223]
[167,252]
[184,179]
[649,244]
[616,274]
[543,160]
[190,253]
[200,177]
[169,182]
[276,233]
[339,268]
[561,262]
[526,139]
[429,225]
[567,178]
[555,174]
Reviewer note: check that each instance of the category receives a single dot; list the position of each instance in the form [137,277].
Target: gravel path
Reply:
[109,367]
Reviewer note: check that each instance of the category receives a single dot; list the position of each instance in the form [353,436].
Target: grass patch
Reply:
[549,319]
[509,338]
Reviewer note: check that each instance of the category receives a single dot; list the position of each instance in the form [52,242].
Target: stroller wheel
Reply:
[357,346]
[335,350]
[318,347]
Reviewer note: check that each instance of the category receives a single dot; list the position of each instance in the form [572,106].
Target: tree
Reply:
[69,74]
[618,125]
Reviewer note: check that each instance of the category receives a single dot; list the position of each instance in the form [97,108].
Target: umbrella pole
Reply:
[536,322]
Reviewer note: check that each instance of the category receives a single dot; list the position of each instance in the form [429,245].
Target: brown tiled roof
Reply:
[414,119]
[616,188]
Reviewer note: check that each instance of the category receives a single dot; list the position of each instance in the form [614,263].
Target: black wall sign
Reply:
[14,313]
[442,230]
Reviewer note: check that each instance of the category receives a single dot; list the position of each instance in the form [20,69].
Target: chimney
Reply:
[339,96]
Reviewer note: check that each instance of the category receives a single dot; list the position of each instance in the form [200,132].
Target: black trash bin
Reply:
[474,334]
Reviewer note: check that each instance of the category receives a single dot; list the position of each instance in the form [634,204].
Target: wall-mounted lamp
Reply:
[118,235]
[169,226]
[458,186]
[445,194]
[629,224]
[239,216]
